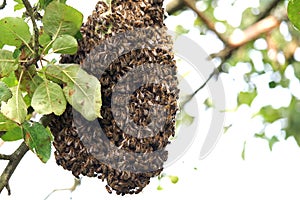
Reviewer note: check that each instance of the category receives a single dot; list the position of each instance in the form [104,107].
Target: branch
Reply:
[30,11]
[14,160]
[77,183]
[174,6]
[2,6]
[210,25]
[261,25]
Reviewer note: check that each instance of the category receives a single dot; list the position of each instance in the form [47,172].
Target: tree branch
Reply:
[261,25]
[14,160]
[30,11]
[210,25]
[174,6]
[2,6]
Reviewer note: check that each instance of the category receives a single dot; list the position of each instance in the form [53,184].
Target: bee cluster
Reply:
[127,47]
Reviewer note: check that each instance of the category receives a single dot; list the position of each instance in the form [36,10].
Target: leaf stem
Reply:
[36,44]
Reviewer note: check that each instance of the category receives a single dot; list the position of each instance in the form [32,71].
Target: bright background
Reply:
[223,174]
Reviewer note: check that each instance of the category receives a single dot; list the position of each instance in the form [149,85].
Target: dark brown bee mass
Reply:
[131,37]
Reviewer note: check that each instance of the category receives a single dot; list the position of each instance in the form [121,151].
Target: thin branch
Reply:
[4,157]
[77,183]
[175,6]
[14,160]
[210,25]
[229,49]
[268,10]
[30,11]
[2,6]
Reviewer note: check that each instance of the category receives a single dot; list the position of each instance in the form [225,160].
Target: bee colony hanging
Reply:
[126,46]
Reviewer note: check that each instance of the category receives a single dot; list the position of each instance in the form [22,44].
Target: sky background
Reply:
[221,175]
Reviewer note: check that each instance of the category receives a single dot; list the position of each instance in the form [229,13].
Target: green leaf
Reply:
[45,3]
[13,134]
[38,139]
[14,31]
[271,141]
[60,19]
[15,108]
[159,188]
[181,30]
[7,63]
[183,118]
[293,12]
[30,81]
[272,84]
[65,44]
[19,6]
[174,179]
[5,93]
[246,97]
[270,114]
[44,41]
[6,124]
[10,80]
[293,127]
[82,90]
[49,98]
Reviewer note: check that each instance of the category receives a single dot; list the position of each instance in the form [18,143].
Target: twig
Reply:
[14,160]
[77,183]
[2,6]
[229,49]
[210,25]
[36,33]
[268,10]
[174,6]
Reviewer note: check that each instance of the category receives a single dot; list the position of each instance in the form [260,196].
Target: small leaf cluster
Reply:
[30,84]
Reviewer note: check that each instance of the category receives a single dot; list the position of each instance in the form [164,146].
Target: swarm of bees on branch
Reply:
[119,147]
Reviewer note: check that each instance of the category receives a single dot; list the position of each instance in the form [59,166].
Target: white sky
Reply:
[222,175]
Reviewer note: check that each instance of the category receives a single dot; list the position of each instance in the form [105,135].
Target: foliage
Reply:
[30,83]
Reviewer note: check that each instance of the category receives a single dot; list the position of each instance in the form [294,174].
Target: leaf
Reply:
[293,12]
[159,188]
[246,97]
[49,98]
[10,80]
[30,81]
[14,31]
[174,179]
[270,114]
[60,19]
[183,118]
[5,93]
[271,141]
[65,44]
[19,5]
[244,151]
[82,90]
[15,109]
[180,30]
[45,3]
[293,127]
[7,63]
[38,139]
[6,124]
[13,134]
[44,41]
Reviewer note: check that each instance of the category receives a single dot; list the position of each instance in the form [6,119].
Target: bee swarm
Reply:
[96,149]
